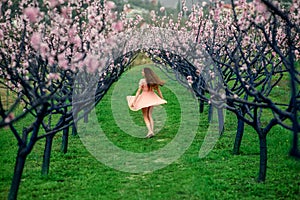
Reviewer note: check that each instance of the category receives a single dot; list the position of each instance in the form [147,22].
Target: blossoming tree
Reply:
[256,46]
[49,50]
[43,46]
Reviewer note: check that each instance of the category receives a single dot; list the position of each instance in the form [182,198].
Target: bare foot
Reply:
[149,135]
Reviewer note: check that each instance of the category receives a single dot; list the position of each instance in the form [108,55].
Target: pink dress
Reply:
[147,98]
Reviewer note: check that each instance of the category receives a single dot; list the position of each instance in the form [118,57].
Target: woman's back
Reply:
[147,87]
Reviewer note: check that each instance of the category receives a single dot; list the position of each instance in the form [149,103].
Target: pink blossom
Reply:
[72,32]
[243,67]
[65,11]
[32,13]
[63,64]
[53,76]
[35,40]
[261,7]
[76,40]
[110,5]
[53,3]
[223,96]
[91,63]
[117,26]
[258,19]
[162,9]
[1,34]
[9,118]
[61,57]
[152,13]
[44,49]
[189,80]
[51,60]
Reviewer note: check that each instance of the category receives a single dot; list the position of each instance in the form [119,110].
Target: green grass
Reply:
[220,175]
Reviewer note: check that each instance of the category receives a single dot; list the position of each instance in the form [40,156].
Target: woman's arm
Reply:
[159,93]
[136,95]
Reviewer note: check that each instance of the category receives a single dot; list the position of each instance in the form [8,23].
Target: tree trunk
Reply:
[238,137]
[74,130]
[221,121]
[65,139]
[210,113]
[20,163]
[201,106]
[296,130]
[86,117]
[47,154]
[263,158]
[23,151]
[295,150]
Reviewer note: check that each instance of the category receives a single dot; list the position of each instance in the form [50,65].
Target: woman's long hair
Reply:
[152,79]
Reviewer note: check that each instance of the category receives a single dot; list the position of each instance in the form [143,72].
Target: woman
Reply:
[148,98]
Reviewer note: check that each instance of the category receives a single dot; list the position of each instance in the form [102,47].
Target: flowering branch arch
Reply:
[237,56]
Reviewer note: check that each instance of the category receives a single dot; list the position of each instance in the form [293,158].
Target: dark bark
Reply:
[16,180]
[201,106]
[65,139]
[202,93]
[74,130]
[263,158]
[24,150]
[295,150]
[210,113]
[86,118]
[47,155]
[221,121]
[238,137]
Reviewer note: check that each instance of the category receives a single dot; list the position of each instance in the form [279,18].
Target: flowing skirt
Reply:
[146,99]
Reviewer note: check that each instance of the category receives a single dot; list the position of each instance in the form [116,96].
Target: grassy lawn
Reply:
[78,174]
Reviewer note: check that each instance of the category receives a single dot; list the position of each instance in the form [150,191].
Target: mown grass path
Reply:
[220,175]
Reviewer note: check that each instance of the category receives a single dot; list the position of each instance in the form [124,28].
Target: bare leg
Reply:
[150,118]
[146,119]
